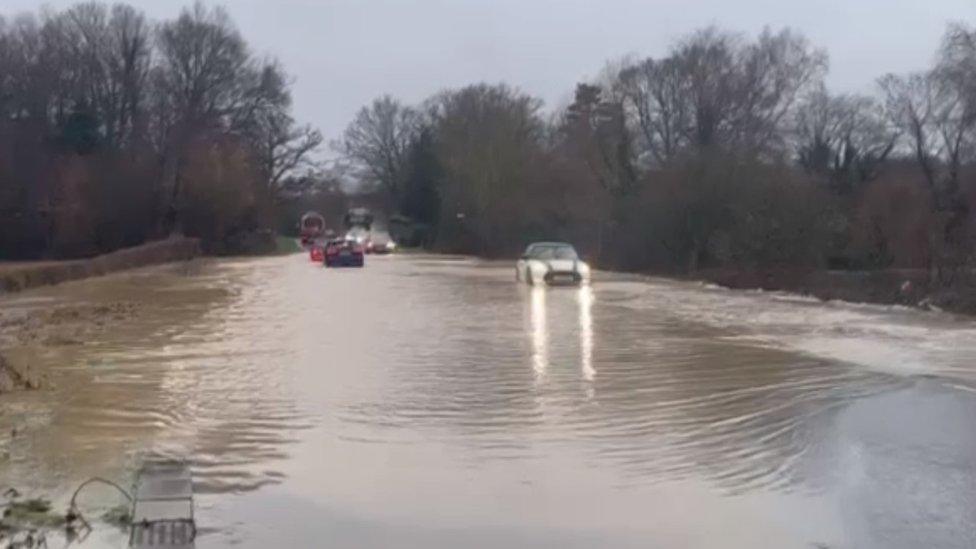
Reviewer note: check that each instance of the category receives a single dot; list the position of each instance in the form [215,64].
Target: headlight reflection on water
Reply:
[585,299]
[541,336]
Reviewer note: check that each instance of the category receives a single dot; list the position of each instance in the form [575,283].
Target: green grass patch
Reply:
[402,250]
[30,514]
[285,245]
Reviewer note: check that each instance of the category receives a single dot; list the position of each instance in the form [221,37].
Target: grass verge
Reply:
[285,245]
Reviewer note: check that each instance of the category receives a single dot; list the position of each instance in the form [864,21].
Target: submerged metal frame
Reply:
[162,509]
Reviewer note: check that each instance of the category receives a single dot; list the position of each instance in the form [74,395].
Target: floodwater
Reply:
[434,402]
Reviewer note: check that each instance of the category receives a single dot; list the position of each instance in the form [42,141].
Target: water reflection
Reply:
[585,299]
[543,332]
[195,370]
[417,374]
[540,335]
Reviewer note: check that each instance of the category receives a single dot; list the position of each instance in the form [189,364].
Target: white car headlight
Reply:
[539,269]
[583,269]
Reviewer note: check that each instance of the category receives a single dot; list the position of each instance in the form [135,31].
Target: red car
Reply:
[316,253]
[344,253]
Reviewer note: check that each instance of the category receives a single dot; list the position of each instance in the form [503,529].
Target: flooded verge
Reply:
[433,402]
[911,287]
[23,276]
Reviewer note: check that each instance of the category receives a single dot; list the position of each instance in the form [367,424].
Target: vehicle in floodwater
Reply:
[344,252]
[358,235]
[360,218]
[316,253]
[551,263]
[311,227]
[380,242]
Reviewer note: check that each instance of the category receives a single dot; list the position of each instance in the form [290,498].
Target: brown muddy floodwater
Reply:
[432,402]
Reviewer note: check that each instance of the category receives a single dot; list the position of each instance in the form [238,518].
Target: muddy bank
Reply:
[69,325]
[13,378]
[22,333]
[16,277]
[911,287]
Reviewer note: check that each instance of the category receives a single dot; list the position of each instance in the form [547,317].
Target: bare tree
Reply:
[595,130]
[129,60]
[707,60]
[377,142]
[7,70]
[103,58]
[263,118]
[655,92]
[934,112]
[775,71]
[489,140]
[202,57]
[845,138]
[937,112]
[201,80]
[956,117]
[285,147]
[118,113]
[910,102]
[715,90]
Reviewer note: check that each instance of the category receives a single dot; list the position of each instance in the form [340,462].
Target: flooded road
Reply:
[433,402]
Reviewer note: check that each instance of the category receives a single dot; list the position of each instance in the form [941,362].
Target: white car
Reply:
[552,263]
[358,235]
[380,242]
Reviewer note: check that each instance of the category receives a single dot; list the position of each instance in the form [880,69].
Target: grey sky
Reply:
[344,53]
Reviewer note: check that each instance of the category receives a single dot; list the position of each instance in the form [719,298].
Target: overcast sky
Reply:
[344,53]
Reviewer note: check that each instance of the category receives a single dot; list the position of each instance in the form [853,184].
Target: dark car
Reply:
[344,253]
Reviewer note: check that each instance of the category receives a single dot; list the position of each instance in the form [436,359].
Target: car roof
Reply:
[550,244]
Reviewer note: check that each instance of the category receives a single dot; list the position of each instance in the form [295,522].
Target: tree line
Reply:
[727,151]
[115,129]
